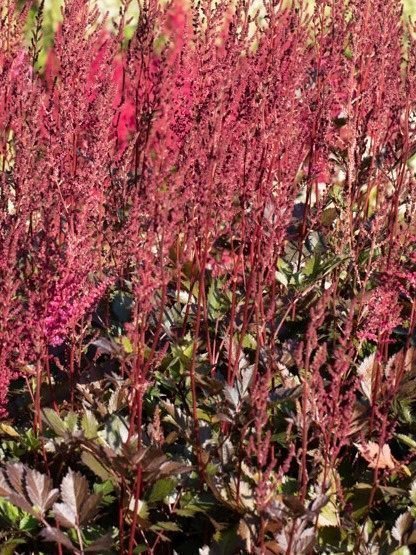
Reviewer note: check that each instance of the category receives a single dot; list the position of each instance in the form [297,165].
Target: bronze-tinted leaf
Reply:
[39,489]
[15,472]
[294,504]
[79,505]
[50,534]
[65,515]
[377,457]
[74,490]
[102,544]
[4,486]
[27,489]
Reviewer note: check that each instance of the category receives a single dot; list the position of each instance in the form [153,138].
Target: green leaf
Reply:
[116,432]
[410,442]
[9,511]
[213,297]
[9,548]
[404,550]
[167,526]
[329,515]
[89,424]
[162,489]
[249,342]
[141,508]
[31,441]
[54,421]
[71,421]
[311,266]
[226,541]
[142,548]
[127,345]
[95,466]
[189,512]
[412,492]
[105,489]
[281,278]
[28,523]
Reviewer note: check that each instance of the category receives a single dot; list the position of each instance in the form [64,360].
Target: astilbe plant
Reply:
[207,269]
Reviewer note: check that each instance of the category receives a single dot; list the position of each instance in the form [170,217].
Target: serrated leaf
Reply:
[50,534]
[166,526]
[402,525]
[13,487]
[89,424]
[116,400]
[329,515]
[9,512]
[95,466]
[226,541]
[71,421]
[142,548]
[105,489]
[187,513]
[305,541]
[231,395]
[90,508]
[127,345]
[15,476]
[79,505]
[377,457]
[101,544]
[74,490]
[281,278]
[39,489]
[162,489]
[5,489]
[65,515]
[141,508]
[54,421]
[310,266]
[412,492]
[249,342]
[28,523]
[365,372]
[246,379]
[410,442]
[9,547]
[116,432]
[169,468]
